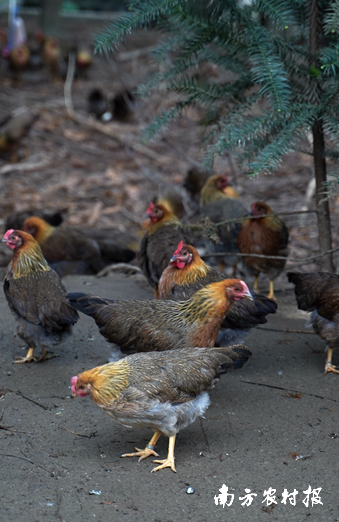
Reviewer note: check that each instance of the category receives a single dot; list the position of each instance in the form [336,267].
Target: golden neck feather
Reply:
[208,303]
[188,275]
[107,381]
[29,260]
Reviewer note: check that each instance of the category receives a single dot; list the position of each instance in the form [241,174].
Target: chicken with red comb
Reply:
[187,273]
[163,231]
[36,297]
[158,325]
[164,391]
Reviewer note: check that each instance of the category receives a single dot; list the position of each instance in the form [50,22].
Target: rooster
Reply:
[187,273]
[219,202]
[319,293]
[155,325]
[266,235]
[162,391]
[35,296]
[67,250]
[163,231]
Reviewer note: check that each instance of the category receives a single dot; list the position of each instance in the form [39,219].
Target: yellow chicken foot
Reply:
[329,366]
[255,284]
[271,292]
[149,450]
[169,462]
[34,358]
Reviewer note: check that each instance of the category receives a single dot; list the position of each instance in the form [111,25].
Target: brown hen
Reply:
[162,391]
[155,325]
[187,273]
[319,293]
[266,235]
[163,231]
[66,250]
[36,297]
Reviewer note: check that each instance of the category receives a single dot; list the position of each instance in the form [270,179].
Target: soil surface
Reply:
[272,424]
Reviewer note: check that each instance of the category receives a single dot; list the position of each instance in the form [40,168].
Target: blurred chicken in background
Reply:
[13,129]
[219,202]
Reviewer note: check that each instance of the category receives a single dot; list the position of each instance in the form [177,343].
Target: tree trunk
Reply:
[324,220]
[323,209]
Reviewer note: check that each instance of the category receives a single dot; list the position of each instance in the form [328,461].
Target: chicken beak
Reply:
[173,258]
[248,295]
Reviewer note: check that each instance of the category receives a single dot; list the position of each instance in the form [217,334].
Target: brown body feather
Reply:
[152,325]
[179,284]
[67,250]
[319,293]
[162,391]
[265,236]
[159,242]
[36,296]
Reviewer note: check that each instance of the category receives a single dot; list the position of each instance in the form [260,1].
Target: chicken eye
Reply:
[237,289]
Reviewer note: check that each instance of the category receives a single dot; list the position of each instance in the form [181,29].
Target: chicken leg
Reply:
[34,358]
[149,450]
[329,366]
[255,284]
[169,462]
[271,292]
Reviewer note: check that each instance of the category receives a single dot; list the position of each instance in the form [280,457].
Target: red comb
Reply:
[150,207]
[8,233]
[179,247]
[73,383]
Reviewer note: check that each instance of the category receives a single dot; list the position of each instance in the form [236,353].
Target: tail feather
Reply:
[237,356]
[309,287]
[87,304]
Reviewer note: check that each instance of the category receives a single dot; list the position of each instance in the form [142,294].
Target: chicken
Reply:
[319,293]
[163,231]
[171,200]
[16,219]
[155,325]
[194,181]
[51,55]
[266,235]
[66,250]
[163,391]
[36,297]
[97,103]
[187,273]
[19,58]
[122,105]
[13,129]
[115,246]
[83,60]
[219,202]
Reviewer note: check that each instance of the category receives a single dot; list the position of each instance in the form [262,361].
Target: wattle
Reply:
[180,264]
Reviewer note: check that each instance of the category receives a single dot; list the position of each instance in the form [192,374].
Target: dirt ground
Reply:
[272,424]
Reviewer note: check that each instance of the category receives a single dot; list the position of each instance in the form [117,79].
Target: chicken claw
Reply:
[149,450]
[329,366]
[34,358]
[142,453]
[169,462]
